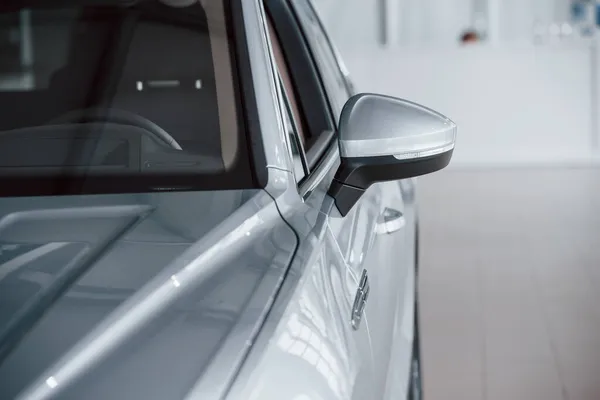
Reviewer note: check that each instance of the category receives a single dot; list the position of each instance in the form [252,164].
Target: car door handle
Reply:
[390,221]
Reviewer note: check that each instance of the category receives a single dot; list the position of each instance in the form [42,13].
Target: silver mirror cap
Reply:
[373,125]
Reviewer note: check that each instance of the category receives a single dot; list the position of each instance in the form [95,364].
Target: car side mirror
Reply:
[383,138]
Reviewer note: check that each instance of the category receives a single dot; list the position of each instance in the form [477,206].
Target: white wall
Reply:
[419,21]
[433,22]
[356,21]
[437,22]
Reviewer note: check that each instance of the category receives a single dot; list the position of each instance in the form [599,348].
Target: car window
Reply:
[333,78]
[286,79]
[293,118]
[145,90]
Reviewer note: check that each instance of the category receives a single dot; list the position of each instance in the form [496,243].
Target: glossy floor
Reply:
[510,284]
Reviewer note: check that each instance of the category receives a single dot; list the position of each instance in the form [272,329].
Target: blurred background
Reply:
[510,232]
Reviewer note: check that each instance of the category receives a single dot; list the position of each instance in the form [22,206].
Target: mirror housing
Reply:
[383,138]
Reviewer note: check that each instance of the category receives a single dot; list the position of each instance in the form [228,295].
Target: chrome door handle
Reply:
[390,221]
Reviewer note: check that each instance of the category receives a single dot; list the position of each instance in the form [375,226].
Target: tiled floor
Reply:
[510,284]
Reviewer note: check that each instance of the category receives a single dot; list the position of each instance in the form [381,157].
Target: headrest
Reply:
[168,48]
[168,74]
[153,59]
[178,3]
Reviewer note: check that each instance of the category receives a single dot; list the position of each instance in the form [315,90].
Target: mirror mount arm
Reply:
[344,196]
[355,175]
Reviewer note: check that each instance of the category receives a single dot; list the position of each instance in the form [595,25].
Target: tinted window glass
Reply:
[109,93]
[333,79]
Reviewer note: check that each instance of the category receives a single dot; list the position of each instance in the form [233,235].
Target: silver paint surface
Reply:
[375,125]
[154,301]
[170,288]
[211,295]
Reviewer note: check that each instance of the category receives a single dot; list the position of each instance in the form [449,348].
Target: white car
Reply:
[194,204]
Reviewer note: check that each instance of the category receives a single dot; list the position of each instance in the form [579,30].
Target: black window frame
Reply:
[250,151]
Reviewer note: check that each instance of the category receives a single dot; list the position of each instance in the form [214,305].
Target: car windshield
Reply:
[120,95]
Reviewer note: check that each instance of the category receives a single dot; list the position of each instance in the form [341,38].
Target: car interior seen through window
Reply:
[107,95]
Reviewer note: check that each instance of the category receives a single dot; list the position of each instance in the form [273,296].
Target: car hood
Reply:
[134,297]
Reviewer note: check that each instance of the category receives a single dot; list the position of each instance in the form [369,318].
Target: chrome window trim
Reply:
[278,94]
[323,168]
[284,103]
[263,74]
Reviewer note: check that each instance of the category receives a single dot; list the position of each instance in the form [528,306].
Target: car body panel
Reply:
[138,309]
[400,286]
[307,348]
[232,294]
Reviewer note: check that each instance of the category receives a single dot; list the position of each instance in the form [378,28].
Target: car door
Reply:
[307,348]
[373,235]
